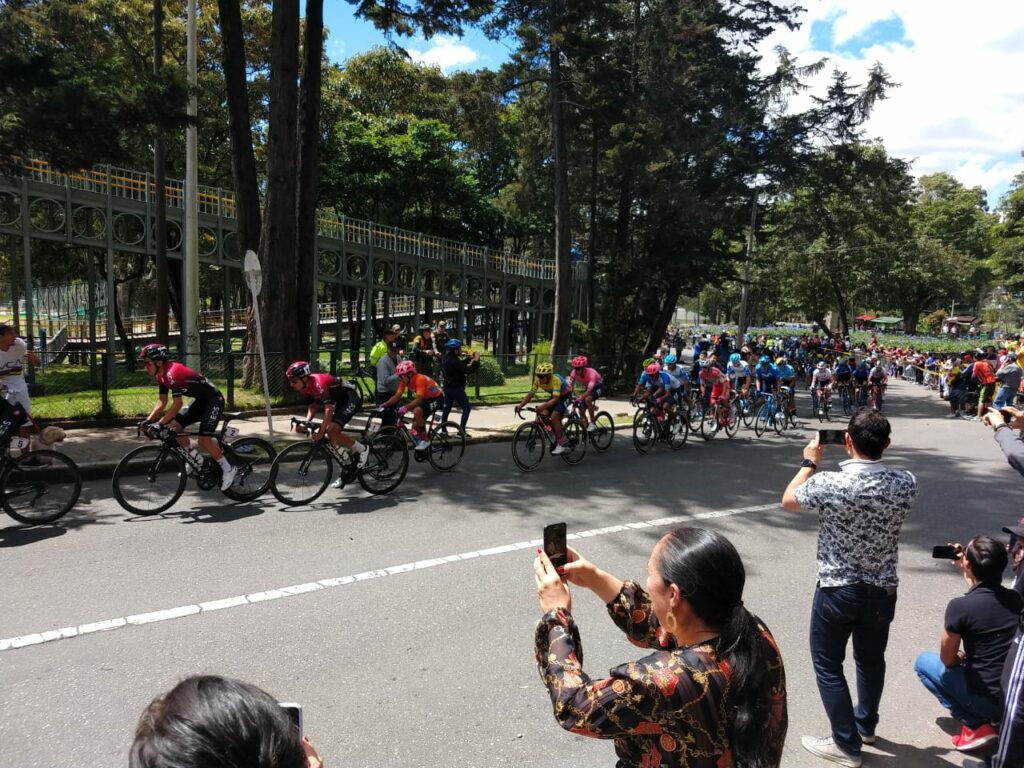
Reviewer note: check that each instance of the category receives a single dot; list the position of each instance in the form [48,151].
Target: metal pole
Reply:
[263,364]
[190,248]
[746,270]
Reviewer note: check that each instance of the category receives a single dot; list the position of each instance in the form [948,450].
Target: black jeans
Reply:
[1010,753]
[865,613]
[456,395]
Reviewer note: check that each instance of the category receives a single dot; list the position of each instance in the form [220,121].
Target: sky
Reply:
[959,106]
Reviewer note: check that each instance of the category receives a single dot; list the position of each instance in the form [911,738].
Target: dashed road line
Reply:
[168,614]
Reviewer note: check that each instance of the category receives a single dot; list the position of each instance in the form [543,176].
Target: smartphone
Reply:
[944,552]
[554,544]
[1007,416]
[294,712]
[832,436]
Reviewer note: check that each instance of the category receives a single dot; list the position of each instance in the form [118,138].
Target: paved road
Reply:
[432,665]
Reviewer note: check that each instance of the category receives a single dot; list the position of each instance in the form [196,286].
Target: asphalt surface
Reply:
[432,665]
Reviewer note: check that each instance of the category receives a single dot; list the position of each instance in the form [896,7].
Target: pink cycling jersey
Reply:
[588,377]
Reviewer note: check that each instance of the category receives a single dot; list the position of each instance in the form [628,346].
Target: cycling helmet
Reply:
[653,369]
[821,365]
[781,361]
[579,362]
[453,344]
[405,367]
[735,357]
[765,359]
[154,352]
[297,370]
[670,359]
[545,369]
[647,361]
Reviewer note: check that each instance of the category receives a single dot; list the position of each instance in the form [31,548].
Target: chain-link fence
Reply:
[83,385]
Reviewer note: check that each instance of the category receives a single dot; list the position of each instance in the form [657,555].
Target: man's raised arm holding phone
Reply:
[1003,423]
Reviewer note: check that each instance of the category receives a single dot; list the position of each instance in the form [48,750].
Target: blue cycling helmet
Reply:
[670,359]
[765,359]
[453,344]
[735,357]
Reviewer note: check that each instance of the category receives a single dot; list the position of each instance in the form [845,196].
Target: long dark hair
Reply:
[707,569]
[215,722]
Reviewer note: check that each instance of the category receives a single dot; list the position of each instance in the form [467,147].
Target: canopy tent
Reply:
[863,318]
[887,321]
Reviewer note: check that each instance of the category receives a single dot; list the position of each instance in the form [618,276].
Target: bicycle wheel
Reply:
[696,413]
[732,420]
[645,432]
[763,417]
[847,403]
[253,459]
[779,419]
[828,409]
[528,446]
[678,431]
[707,422]
[300,473]
[40,487]
[748,413]
[574,440]
[447,445]
[149,479]
[386,466]
[821,408]
[604,431]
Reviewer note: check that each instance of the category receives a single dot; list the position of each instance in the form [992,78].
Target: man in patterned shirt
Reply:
[861,509]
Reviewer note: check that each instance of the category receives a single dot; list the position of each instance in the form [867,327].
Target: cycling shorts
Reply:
[741,381]
[431,405]
[346,405]
[596,392]
[205,412]
[12,416]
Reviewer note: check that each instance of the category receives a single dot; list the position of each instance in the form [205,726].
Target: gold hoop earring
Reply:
[670,623]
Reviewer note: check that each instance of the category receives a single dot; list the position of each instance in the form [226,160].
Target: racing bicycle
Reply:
[37,486]
[772,414]
[651,424]
[530,440]
[149,479]
[447,439]
[602,434]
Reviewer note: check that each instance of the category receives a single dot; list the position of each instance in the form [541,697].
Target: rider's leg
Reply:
[337,436]
[556,425]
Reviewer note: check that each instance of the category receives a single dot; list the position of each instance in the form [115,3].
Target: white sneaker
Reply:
[422,445]
[827,749]
[338,483]
[363,456]
[558,450]
[228,478]
[591,427]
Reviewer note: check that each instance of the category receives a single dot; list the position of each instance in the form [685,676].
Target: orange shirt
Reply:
[983,373]
[422,386]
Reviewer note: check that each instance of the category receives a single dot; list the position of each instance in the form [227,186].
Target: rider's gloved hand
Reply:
[632,400]
[402,410]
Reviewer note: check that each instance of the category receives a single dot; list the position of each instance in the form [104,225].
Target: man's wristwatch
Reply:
[808,463]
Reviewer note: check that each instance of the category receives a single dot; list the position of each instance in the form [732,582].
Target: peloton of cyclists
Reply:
[340,401]
[205,409]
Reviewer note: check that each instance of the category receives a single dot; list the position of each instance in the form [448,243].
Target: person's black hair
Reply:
[869,432]
[709,573]
[215,722]
[988,559]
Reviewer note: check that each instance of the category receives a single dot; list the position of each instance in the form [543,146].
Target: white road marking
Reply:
[168,614]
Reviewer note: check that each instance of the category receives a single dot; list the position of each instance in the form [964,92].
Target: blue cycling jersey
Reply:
[786,372]
[768,377]
[844,371]
[661,380]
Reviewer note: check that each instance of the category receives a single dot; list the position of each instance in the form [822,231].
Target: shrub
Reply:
[490,374]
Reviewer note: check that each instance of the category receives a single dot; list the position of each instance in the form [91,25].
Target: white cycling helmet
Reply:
[821,365]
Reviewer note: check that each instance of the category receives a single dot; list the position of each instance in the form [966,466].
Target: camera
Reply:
[946,552]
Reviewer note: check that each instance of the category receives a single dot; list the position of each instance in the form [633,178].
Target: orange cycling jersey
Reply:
[423,386]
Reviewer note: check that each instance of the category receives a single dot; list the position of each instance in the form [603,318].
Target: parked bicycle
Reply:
[303,470]
[530,440]
[37,486]
[602,434]
[149,479]
[652,423]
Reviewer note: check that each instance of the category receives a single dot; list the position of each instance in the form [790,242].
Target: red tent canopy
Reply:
[865,317]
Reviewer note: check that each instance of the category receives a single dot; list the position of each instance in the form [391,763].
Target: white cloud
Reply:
[960,104]
[444,52]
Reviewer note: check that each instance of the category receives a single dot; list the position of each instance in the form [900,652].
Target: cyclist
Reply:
[844,375]
[739,373]
[787,378]
[680,384]
[821,386]
[877,377]
[559,392]
[206,407]
[717,384]
[594,383]
[860,380]
[427,398]
[340,401]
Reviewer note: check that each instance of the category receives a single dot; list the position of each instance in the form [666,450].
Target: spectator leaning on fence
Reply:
[861,509]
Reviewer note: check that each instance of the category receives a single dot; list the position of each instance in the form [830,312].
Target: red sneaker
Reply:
[968,740]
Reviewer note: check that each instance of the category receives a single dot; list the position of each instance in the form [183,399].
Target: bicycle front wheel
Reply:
[732,419]
[528,447]
[645,432]
[604,431]
[447,445]
[149,479]
[300,473]
[761,422]
[779,419]
[748,413]
[253,459]
[575,441]
[386,465]
[678,431]
[40,487]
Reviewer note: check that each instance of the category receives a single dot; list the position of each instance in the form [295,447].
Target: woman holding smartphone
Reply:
[712,691]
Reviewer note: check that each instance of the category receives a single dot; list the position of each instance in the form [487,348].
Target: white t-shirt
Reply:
[12,366]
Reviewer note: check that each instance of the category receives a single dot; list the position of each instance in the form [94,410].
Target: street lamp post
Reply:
[254,280]
[190,250]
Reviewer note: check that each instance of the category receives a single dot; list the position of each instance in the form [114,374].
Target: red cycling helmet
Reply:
[579,362]
[653,369]
[297,370]
[405,367]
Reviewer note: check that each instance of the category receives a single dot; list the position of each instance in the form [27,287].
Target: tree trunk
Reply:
[661,318]
[592,247]
[161,304]
[844,325]
[309,168]
[563,257]
[278,239]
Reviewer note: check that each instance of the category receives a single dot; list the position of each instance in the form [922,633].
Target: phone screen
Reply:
[554,544]
[944,552]
[832,436]
[294,712]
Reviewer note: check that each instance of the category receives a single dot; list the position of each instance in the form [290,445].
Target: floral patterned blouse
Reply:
[670,709]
